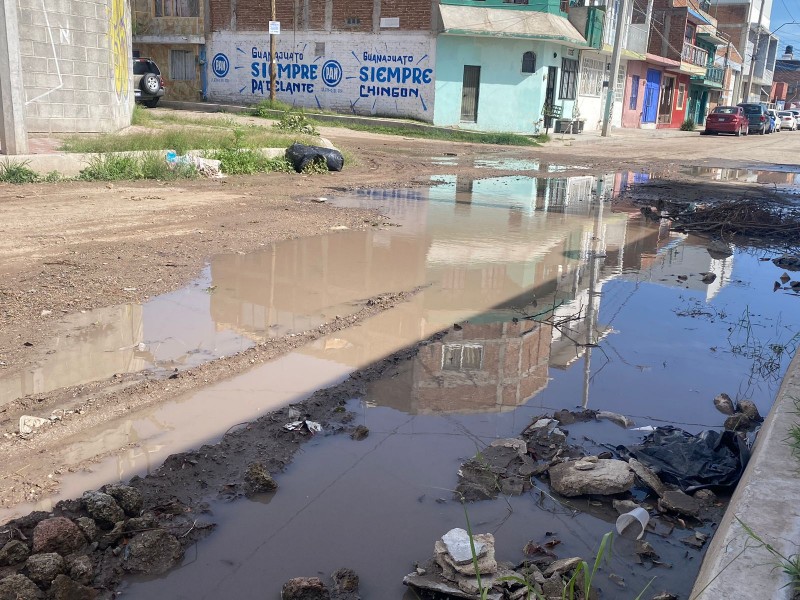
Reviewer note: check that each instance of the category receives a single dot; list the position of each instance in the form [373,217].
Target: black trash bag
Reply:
[694,462]
[301,155]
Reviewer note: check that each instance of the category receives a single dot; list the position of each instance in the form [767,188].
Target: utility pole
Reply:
[13,133]
[753,55]
[273,43]
[615,59]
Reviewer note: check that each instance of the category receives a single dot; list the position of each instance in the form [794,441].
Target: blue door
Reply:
[651,91]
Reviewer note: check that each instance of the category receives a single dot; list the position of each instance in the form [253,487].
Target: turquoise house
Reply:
[503,66]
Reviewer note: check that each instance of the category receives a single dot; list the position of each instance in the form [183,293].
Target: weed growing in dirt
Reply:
[245,161]
[140,116]
[316,167]
[688,125]
[18,172]
[53,177]
[296,122]
[117,167]
[265,107]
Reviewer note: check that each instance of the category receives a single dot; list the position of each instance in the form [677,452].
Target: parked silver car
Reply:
[148,83]
[788,120]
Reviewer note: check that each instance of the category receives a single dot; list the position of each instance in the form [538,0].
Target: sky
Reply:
[786,11]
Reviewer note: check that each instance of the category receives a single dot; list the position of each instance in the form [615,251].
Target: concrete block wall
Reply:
[76,60]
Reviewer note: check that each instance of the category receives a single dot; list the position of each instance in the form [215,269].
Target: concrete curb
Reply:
[767,499]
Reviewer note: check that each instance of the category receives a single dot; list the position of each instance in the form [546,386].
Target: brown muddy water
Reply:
[639,334]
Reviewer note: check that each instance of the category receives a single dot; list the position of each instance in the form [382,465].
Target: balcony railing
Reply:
[715,74]
[695,55]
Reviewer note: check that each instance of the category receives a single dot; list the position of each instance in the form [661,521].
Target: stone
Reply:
[787,262]
[708,278]
[512,486]
[138,524]
[258,479]
[749,409]
[64,588]
[616,418]
[647,477]
[19,587]
[705,497]
[718,250]
[739,422]
[624,506]
[678,502]
[14,552]
[609,476]
[103,509]
[487,565]
[80,568]
[27,424]
[110,538]
[456,542]
[645,550]
[305,588]
[431,583]
[128,498]
[563,565]
[360,433]
[57,534]
[88,527]
[724,404]
[153,552]
[697,540]
[346,580]
[514,443]
[553,587]
[43,568]
[585,465]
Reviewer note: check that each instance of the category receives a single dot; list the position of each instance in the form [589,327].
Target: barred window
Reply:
[592,75]
[619,90]
[529,62]
[181,65]
[177,8]
[569,79]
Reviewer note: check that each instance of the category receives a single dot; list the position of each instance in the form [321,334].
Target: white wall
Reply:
[363,73]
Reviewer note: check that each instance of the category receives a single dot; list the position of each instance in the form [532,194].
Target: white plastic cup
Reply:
[639,515]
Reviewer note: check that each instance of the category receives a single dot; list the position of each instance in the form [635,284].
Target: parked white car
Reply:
[788,120]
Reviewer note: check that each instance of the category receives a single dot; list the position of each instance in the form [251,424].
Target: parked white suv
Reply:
[147,82]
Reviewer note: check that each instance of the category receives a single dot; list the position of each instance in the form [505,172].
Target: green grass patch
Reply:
[296,122]
[140,116]
[18,172]
[503,139]
[245,161]
[263,108]
[118,167]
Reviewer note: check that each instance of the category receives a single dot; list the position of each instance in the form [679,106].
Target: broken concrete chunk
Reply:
[305,588]
[608,477]
[697,540]
[564,565]
[515,443]
[724,404]
[28,423]
[647,477]
[678,502]
[616,418]
[585,465]
[708,278]
[624,506]
[456,541]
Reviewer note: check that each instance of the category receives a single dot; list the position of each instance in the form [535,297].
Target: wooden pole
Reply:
[272,64]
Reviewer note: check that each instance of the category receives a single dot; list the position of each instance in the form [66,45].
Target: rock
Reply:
[28,423]
[608,477]
[14,552]
[487,565]
[739,422]
[785,278]
[360,433]
[697,540]
[564,565]
[456,542]
[514,443]
[128,498]
[103,509]
[708,278]
[512,486]
[749,410]
[258,479]
[724,404]
[616,418]
[624,506]
[432,583]
[57,534]
[788,262]
[585,465]
[43,568]
[665,596]
[719,250]
[88,527]
[110,538]
[64,588]
[645,550]
[346,580]
[678,502]
[553,587]
[152,552]
[705,497]
[80,568]
[19,587]
[647,476]
[305,588]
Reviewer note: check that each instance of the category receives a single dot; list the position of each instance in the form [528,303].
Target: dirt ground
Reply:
[73,246]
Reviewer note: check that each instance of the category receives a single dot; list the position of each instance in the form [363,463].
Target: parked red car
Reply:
[727,119]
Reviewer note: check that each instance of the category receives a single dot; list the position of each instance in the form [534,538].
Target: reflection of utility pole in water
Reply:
[595,254]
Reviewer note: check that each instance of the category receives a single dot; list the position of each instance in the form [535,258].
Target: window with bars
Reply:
[569,79]
[181,65]
[529,62]
[634,101]
[619,90]
[592,75]
[177,8]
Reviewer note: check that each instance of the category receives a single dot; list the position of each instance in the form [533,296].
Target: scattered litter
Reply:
[312,426]
[28,423]
[616,418]
[207,167]
[637,515]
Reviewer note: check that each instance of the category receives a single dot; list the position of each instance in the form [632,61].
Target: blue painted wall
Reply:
[509,100]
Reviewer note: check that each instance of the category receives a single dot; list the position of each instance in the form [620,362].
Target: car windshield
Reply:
[725,110]
[752,109]
[785,114]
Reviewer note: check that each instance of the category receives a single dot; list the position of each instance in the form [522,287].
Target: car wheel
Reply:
[762,131]
[738,133]
[150,83]
[152,103]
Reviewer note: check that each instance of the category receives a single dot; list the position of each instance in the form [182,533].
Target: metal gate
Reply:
[469,94]
[651,93]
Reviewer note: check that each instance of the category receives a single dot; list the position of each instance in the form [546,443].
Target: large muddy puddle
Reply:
[560,303]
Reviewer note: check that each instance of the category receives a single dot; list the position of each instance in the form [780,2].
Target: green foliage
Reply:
[245,161]
[53,177]
[265,108]
[316,167]
[18,172]
[296,122]
[118,167]
[447,135]
[688,125]
[140,116]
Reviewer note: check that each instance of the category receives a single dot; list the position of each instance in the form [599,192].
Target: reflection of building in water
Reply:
[100,343]
[482,367]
